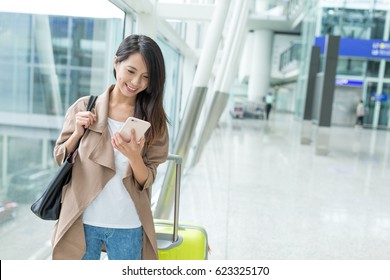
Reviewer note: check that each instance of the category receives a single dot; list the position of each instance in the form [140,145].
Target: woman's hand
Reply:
[130,149]
[84,120]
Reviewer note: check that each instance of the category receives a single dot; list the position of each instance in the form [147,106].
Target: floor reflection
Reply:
[261,194]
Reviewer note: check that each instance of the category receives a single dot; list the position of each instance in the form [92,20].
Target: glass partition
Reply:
[373,99]
[172,93]
[387,69]
[353,23]
[47,61]
[372,68]
[384,109]
[350,66]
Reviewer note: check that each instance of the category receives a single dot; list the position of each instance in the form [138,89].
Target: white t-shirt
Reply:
[113,206]
[269,99]
[360,110]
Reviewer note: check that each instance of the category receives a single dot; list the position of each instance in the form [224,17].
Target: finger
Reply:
[86,115]
[124,139]
[119,139]
[117,143]
[113,142]
[115,139]
[141,141]
[133,135]
[87,122]
[82,118]
[83,122]
[92,117]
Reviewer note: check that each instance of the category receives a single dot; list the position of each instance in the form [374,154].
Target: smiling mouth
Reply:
[131,88]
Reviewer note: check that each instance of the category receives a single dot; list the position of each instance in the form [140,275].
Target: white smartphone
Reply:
[139,125]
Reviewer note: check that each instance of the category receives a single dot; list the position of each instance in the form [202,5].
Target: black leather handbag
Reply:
[48,206]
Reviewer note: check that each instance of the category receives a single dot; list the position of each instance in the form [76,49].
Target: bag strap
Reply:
[91,102]
[90,105]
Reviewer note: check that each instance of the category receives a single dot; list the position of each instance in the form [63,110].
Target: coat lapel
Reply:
[103,153]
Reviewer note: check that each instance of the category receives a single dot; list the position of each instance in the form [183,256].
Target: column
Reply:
[202,75]
[259,78]
[326,95]
[260,64]
[379,90]
[194,104]
[314,66]
[227,70]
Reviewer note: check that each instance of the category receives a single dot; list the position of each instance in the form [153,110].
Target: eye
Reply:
[146,77]
[131,71]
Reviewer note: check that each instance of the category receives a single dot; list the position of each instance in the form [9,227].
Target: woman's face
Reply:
[131,74]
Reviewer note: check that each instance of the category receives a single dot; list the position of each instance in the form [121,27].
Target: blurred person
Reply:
[106,205]
[269,100]
[359,114]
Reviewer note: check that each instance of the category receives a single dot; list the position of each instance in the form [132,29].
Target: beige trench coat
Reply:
[93,168]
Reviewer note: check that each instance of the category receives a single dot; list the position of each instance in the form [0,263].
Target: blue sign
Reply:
[349,83]
[379,98]
[359,48]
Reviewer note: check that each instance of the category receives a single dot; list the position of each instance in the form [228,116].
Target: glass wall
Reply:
[172,93]
[387,70]
[353,23]
[46,63]
[361,23]
[307,37]
[351,66]
[384,106]
[290,56]
[373,100]
[373,68]
[55,65]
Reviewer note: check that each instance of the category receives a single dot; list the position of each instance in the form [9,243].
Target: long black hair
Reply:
[149,103]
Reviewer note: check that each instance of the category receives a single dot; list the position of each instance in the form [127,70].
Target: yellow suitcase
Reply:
[179,241]
[191,242]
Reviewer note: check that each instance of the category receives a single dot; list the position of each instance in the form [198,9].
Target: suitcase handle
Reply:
[178,159]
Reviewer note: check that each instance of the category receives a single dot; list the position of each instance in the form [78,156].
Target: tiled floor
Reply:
[263,195]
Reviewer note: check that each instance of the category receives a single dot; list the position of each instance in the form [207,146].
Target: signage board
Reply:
[352,47]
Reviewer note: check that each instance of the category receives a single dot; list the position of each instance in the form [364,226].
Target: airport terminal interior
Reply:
[305,180]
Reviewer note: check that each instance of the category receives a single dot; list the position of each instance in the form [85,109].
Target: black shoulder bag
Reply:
[48,206]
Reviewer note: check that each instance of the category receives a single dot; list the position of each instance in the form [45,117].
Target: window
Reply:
[372,68]
[350,66]
[48,59]
[172,93]
[353,23]
[387,70]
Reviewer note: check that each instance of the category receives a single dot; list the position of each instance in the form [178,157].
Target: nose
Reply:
[136,80]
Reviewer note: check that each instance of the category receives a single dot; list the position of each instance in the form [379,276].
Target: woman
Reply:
[107,203]
[360,113]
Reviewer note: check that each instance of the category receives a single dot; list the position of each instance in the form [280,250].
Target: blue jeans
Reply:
[121,244]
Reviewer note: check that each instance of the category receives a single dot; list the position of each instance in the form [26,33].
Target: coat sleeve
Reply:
[60,151]
[155,154]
